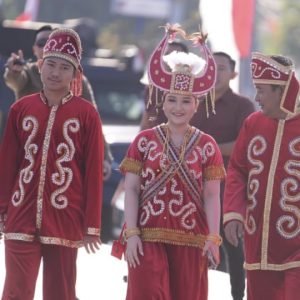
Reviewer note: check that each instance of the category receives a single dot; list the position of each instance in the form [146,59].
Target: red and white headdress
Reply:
[182,80]
[266,70]
[66,44]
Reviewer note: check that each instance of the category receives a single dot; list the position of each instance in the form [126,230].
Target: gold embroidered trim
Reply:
[171,236]
[232,216]
[93,231]
[43,239]
[131,165]
[60,242]
[19,236]
[272,267]
[43,166]
[214,173]
[269,195]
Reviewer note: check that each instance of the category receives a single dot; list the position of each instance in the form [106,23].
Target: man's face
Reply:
[224,73]
[56,74]
[39,43]
[268,99]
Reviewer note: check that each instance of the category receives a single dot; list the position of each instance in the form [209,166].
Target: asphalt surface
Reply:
[100,276]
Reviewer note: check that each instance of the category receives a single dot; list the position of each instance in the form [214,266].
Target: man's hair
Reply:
[283,60]
[230,59]
[183,47]
[43,28]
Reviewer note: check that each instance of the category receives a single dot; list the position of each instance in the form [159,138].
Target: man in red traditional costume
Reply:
[172,185]
[51,177]
[262,198]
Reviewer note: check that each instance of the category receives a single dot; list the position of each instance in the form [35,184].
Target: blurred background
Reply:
[118,37]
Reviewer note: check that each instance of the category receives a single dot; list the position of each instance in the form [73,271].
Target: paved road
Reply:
[100,277]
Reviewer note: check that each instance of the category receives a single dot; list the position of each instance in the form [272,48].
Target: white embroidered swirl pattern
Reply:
[29,123]
[53,46]
[177,209]
[256,73]
[64,175]
[257,147]
[288,226]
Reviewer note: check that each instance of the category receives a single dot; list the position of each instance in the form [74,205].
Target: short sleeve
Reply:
[133,161]
[213,167]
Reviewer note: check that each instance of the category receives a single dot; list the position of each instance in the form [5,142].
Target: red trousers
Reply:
[22,261]
[273,285]
[168,272]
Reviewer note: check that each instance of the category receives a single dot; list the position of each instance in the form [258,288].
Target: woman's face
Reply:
[179,109]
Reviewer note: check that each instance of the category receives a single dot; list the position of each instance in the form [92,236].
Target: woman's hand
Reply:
[134,248]
[212,248]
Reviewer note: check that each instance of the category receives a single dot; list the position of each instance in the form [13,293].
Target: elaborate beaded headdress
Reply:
[181,79]
[266,70]
[66,44]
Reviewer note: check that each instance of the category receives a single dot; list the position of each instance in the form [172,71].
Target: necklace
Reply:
[166,162]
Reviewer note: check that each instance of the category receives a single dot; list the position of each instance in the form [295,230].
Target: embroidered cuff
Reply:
[93,231]
[232,216]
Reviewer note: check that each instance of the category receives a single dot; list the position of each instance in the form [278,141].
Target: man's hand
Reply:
[91,243]
[16,61]
[106,170]
[234,230]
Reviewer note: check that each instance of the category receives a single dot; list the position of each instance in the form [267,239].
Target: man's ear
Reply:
[39,64]
[234,74]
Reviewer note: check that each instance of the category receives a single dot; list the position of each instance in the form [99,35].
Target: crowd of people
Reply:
[209,182]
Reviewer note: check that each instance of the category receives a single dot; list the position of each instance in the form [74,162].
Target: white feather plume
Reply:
[175,59]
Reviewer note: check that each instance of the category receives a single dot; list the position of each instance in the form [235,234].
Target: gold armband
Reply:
[215,238]
[131,232]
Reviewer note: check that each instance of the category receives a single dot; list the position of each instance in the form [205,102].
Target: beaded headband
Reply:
[266,70]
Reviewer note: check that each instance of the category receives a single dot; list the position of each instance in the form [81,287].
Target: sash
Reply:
[163,178]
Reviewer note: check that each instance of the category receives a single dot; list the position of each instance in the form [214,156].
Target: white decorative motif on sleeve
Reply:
[29,123]
[288,225]
[64,175]
[257,147]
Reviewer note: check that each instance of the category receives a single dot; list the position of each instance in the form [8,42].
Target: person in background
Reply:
[51,177]
[262,198]
[24,79]
[224,126]
[172,181]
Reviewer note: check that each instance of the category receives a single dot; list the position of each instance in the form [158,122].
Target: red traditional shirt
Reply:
[51,175]
[263,191]
[170,202]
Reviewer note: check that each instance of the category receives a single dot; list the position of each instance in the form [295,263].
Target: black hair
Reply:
[230,59]
[282,60]
[43,28]
[183,47]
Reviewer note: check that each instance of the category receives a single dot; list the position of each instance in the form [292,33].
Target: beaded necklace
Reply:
[172,167]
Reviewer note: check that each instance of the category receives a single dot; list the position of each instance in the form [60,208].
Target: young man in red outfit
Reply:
[51,177]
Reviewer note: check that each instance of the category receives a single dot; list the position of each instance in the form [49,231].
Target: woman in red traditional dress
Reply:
[172,181]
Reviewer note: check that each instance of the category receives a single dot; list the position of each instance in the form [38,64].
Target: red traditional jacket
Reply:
[170,203]
[263,191]
[51,171]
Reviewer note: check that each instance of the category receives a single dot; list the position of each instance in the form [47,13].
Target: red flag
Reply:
[30,11]
[243,18]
